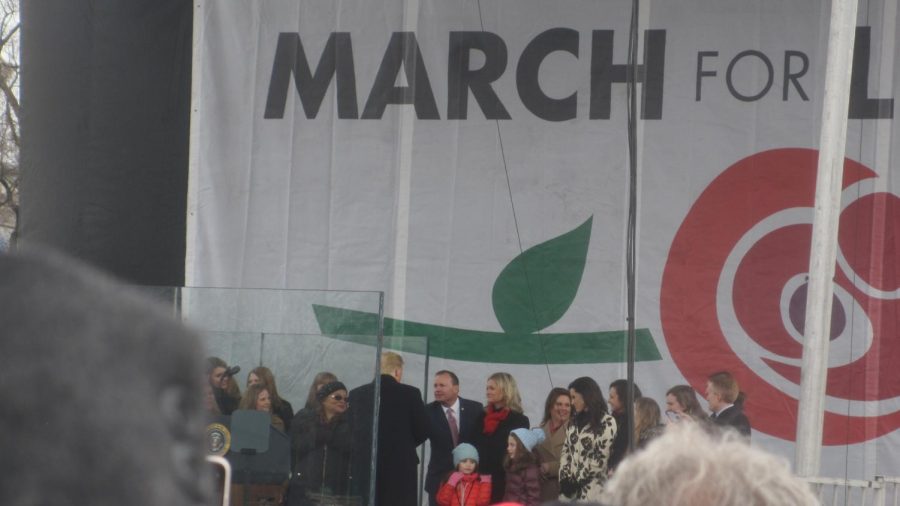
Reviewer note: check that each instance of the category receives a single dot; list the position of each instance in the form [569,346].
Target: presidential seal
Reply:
[218,439]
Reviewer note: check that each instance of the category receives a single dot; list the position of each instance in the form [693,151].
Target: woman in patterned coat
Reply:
[585,454]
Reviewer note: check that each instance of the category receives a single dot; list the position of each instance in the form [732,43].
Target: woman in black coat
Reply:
[503,413]
[618,392]
[320,449]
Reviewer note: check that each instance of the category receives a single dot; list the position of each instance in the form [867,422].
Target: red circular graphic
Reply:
[747,193]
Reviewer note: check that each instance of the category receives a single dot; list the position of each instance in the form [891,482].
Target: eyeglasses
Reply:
[340,398]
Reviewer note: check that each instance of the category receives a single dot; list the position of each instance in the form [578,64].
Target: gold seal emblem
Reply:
[218,439]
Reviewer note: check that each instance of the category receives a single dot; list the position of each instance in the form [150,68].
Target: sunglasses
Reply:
[340,398]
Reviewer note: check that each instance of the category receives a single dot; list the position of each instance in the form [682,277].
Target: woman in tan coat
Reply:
[557,410]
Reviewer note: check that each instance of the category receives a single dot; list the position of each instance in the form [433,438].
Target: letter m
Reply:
[290,59]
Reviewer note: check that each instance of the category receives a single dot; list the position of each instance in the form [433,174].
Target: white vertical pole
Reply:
[406,128]
[817,329]
[191,225]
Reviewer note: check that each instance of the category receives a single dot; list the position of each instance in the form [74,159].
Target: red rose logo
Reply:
[734,294]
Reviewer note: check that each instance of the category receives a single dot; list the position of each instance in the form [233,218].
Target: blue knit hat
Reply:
[529,437]
[464,451]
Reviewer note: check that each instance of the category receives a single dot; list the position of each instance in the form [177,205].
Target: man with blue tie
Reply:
[453,420]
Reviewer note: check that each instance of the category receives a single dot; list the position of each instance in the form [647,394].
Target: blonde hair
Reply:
[390,362]
[725,385]
[646,415]
[507,386]
[248,401]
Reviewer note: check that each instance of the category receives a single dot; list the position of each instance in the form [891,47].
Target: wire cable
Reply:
[516,224]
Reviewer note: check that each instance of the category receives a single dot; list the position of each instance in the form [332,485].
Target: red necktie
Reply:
[454,428]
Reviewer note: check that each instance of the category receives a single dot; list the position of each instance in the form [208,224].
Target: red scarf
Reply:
[469,477]
[493,418]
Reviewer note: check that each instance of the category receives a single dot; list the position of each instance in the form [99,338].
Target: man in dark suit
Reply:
[721,393]
[402,426]
[449,408]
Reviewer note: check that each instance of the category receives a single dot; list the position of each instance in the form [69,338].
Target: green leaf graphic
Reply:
[603,347]
[539,285]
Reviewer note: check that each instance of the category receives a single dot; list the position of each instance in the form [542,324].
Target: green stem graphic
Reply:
[482,346]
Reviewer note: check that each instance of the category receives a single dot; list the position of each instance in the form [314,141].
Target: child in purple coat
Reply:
[523,475]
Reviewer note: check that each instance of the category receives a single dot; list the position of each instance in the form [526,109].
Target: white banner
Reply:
[469,159]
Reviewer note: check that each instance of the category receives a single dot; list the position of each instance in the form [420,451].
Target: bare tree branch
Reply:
[9,119]
[10,35]
[10,96]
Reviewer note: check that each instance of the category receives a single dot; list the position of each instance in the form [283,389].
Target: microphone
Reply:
[231,371]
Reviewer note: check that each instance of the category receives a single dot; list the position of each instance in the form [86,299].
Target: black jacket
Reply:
[733,417]
[620,444]
[320,456]
[492,448]
[227,404]
[286,412]
[402,426]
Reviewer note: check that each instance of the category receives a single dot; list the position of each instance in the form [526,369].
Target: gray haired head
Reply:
[101,391]
[687,466]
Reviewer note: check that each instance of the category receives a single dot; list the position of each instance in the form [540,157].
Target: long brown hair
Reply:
[686,396]
[234,389]
[323,378]
[521,460]
[646,415]
[267,379]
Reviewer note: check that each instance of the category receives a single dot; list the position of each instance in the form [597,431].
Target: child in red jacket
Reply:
[465,487]
[523,476]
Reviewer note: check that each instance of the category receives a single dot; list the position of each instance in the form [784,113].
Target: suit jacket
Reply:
[492,448]
[402,426]
[733,417]
[470,424]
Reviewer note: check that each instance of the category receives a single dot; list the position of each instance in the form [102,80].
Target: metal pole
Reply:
[425,399]
[631,242]
[376,408]
[817,329]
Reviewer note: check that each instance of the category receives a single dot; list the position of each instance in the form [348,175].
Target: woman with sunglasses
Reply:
[320,449]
